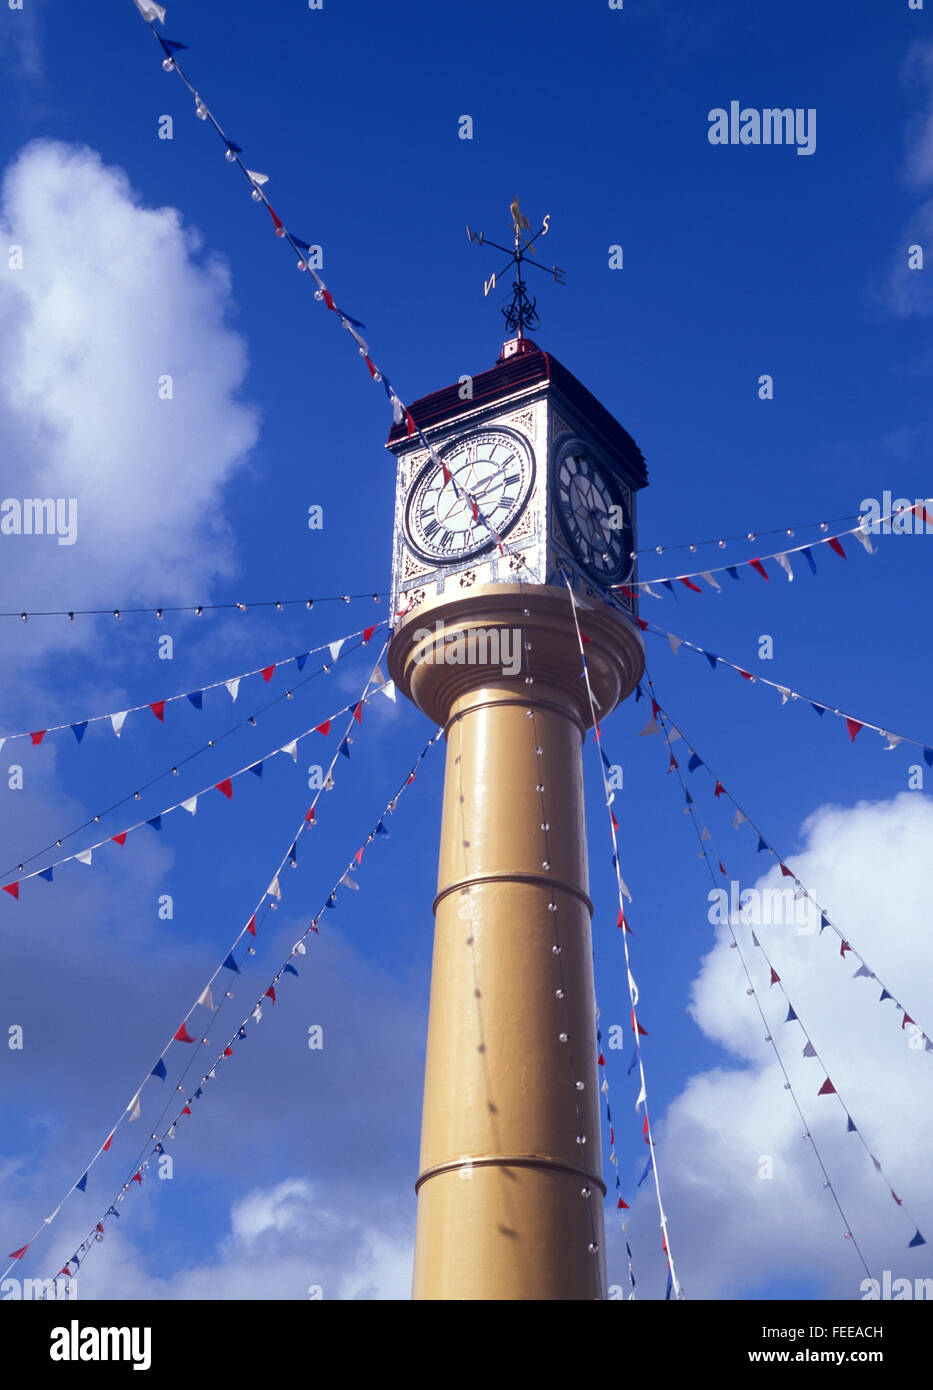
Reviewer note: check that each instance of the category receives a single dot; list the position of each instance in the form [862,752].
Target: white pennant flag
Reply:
[334,648]
[83,856]
[396,409]
[785,694]
[633,988]
[652,727]
[329,781]
[378,679]
[389,690]
[150,11]
[171,1131]
[673,736]
[133,1109]
[206,999]
[49,1219]
[257,179]
[713,583]
[349,881]
[704,835]
[784,562]
[605,1087]
[274,890]
[738,819]
[256,1015]
[190,805]
[300,949]
[675,642]
[647,589]
[117,721]
[863,535]
[233,686]
[614,1158]
[642,1096]
[623,886]
[291,748]
[893,741]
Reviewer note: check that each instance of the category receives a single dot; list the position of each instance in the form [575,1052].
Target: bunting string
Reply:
[190,804]
[194,610]
[864,970]
[753,994]
[853,724]
[862,533]
[250,720]
[194,697]
[751,536]
[268,901]
[638,1030]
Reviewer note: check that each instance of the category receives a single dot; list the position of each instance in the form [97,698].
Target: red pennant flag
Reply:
[626,591]
[475,510]
[757,565]
[410,780]
[228,1051]
[584,638]
[100,1228]
[636,1026]
[673,763]
[905,1020]
[309,815]
[836,544]
[655,709]
[615,823]
[158,709]
[106,1147]
[358,713]
[827,1088]
[612,1137]
[445,473]
[226,786]
[323,728]
[600,1061]
[843,948]
[251,925]
[183,1035]
[746,675]
[786,871]
[270,993]
[368,633]
[187,1110]
[718,789]
[722,868]
[623,1206]
[641,624]
[775,977]
[328,300]
[66,1271]
[18,1254]
[853,727]
[372,369]
[359,855]
[688,585]
[896,1198]
[137,1177]
[409,421]
[119,839]
[268,672]
[12,889]
[38,737]
[645,1131]
[279,226]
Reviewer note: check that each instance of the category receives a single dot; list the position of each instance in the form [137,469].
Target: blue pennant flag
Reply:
[231,964]
[928,756]
[302,245]
[356,323]
[805,552]
[331,901]
[155,822]
[78,730]
[46,874]
[290,970]
[293,853]
[761,845]
[112,1211]
[824,921]
[668,585]
[820,709]
[345,748]
[300,660]
[197,698]
[234,149]
[81,1184]
[639,694]
[197,1094]
[695,762]
[75,1261]
[257,768]
[381,830]
[884,995]
[791,1016]
[917,1240]
[607,763]
[689,798]
[731,569]
[170,46]
[633,1062]
[645,1173]
[158,1149]
[850,1125]
[711,658]
[241,1034]
[159,1070]
[670,1285]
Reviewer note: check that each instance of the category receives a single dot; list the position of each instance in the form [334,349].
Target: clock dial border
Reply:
[617,493]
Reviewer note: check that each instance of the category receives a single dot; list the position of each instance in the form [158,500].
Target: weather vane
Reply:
[519,311]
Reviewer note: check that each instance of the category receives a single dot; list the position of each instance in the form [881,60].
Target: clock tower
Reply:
[514,486]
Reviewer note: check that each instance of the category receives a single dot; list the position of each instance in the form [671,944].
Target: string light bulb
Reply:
[168,64]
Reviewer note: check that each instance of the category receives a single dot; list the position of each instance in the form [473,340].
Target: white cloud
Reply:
[732,1230]
[111,297]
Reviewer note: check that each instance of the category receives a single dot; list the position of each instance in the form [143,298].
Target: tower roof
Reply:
[523,365]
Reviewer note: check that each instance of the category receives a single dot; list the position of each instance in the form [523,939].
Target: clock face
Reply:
[496,468]
[595,516]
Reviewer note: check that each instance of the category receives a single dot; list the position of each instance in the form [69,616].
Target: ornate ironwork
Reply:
[519,311]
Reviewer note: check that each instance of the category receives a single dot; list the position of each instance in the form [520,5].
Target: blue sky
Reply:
[297,1169]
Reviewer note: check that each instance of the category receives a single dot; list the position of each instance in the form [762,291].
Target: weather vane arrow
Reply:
[519,312]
